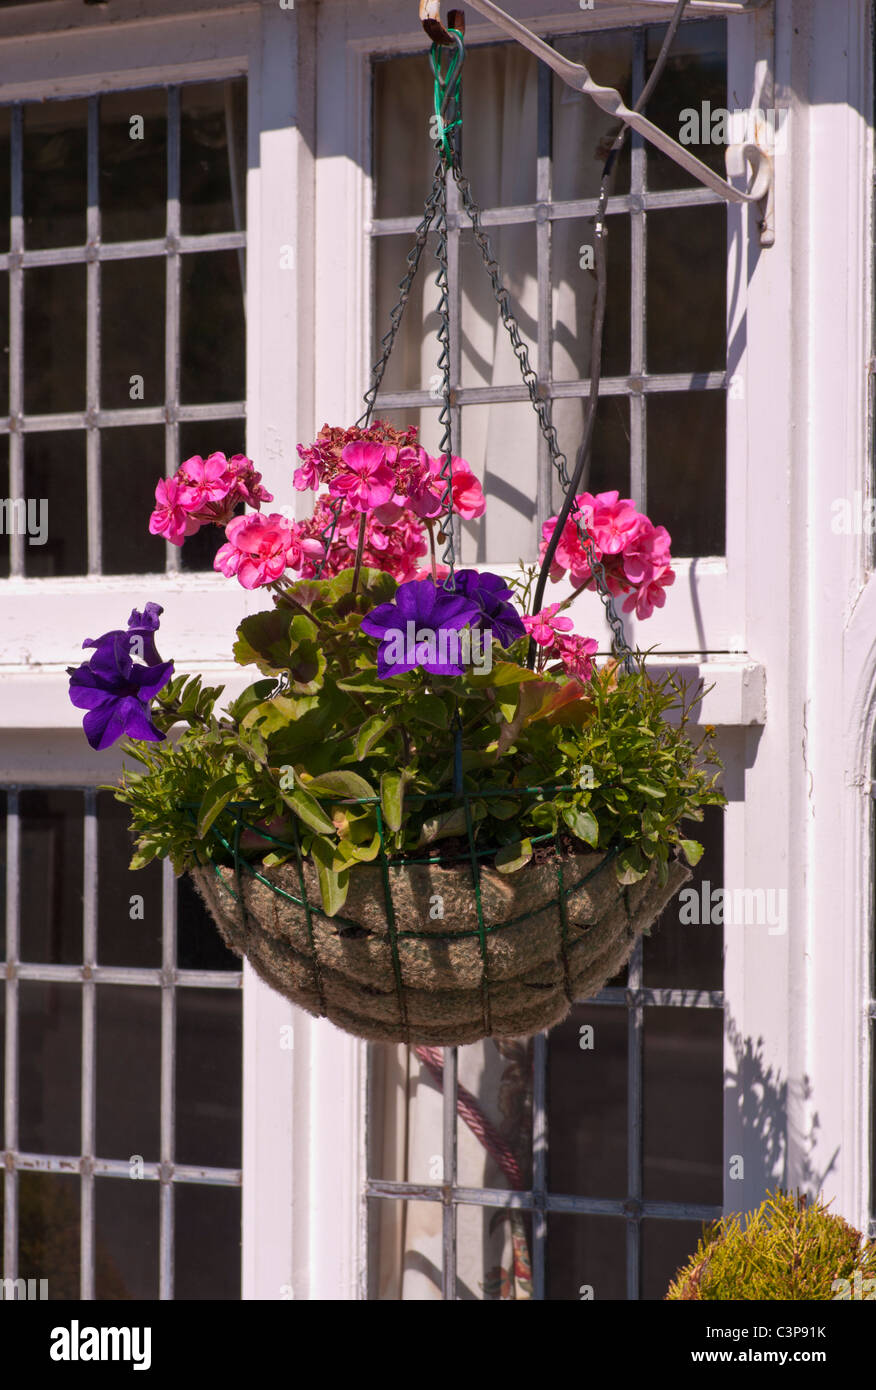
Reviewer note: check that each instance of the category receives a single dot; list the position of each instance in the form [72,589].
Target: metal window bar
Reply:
[635,997]
[87,1164]
[93,419]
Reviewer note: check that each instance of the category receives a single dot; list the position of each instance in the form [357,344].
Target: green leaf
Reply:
[340,783]
[214,801]
[631,867]
[263,641]
[333,883]
[650,790]
[429,709]
[308,810]
[582,824]
[692,851]
[513,857]
[392,796]
[371,733]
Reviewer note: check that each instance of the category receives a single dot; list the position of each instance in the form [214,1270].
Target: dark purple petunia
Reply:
[496,614]
[116,692]
[418,629]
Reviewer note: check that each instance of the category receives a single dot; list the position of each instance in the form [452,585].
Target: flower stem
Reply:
[360,547]
[432,552]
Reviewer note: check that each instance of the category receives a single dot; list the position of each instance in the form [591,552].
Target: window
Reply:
[121,1076]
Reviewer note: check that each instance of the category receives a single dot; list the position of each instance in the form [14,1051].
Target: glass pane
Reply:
[407,1145]
[213,156]
[128,1071]
[585,1258]
[683,1074]
[501,444]
[574,279]
[690,955]
[610,457]
[54,473]
[135,453]
[695,73]
[414,360]
[666,1246]
[199,945]
[54,339]
[687,452]
[132,333]
[495,1104]
[686,288]
[404,1245]
[48,1232]
[494,1254]
[126,1238]
[55,173]
[488,357]
[587,1102]
[50,1045]
[204,437]
[404,156]
[208,1077]
[128,904]
[582,133]
[133,164]
[51,877]
[207,1243]
[500,124]
[10,523]
[212,328]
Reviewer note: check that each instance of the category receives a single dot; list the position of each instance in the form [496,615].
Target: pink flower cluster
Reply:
[203,492]
[387,472]
[260,549]
[555,635]
[634,552]
[395,544]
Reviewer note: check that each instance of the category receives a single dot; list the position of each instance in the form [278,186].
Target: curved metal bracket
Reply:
[759,193]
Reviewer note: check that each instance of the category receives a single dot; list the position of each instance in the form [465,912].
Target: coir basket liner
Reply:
[412,960]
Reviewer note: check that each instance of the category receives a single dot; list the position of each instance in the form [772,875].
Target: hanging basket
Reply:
[431,952]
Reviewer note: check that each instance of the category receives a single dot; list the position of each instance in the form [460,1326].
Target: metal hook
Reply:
[430,18]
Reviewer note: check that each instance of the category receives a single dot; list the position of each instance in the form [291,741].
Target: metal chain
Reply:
[620,646]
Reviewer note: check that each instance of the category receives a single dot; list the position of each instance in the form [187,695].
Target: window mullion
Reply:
[172,310]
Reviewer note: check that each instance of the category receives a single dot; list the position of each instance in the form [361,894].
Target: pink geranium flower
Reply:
[170,518]
[258,549]
[646,552]
[575,654]
[203,481]
[651,594]
[365,479]
[615,522]
[468,495]
[545,626]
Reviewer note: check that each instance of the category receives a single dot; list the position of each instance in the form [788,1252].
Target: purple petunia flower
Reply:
[496,614]
[420,629]
[116,692]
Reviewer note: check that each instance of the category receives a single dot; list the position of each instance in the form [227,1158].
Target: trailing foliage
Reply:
[788,1248]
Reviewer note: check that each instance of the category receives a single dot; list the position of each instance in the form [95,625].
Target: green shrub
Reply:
[789,1248]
